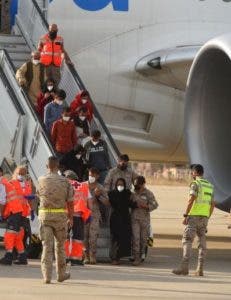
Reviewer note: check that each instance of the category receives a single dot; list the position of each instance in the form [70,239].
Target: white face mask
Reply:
[120,188]
[78,156]
[82,118]
[66,119]
[59,102]
[91,179]
[50,87]
[20,177]
[94,143]
[84,101]
[35,61]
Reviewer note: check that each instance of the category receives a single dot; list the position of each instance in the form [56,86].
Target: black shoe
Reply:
[7,259]
[22,259]
[75,262]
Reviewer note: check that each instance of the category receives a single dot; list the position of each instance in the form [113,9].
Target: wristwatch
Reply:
[185,215]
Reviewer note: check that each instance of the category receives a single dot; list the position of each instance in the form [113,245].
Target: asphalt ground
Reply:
[151,280]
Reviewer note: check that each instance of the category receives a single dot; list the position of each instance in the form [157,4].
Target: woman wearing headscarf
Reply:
[120,221]
[46,96]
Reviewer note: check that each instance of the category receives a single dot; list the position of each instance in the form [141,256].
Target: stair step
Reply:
[104,232]
[103,254]
[11,39]
[17,63]
[103,242]
[15,48]
[20,56]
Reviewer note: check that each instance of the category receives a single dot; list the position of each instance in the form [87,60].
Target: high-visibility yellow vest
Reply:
[202,204]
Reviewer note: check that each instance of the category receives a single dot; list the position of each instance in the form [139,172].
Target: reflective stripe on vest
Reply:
[202,204]
[80,199]
[51,51]
[53,210]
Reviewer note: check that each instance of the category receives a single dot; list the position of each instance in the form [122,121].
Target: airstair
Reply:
[23,138]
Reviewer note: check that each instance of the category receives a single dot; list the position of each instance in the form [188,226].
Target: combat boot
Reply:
[7,259]
[46,281]
[22,259]
[183,270]
[136,261]
[199,270]
[86,259]
[64,277]
[92,259]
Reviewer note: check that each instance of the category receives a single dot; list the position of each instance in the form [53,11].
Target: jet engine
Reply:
[208,115]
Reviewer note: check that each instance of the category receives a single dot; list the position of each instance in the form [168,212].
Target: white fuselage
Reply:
[145,118]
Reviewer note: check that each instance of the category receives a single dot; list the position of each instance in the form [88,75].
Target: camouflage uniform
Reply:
[92,228]
[141,221]
[54,191]
[128,174]
[197,225]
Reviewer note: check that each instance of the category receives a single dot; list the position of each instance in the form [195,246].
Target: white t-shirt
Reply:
[2,193]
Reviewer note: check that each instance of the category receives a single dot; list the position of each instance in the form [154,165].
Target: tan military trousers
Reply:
[196,226]
[140,231]
[51,231]
[91,233]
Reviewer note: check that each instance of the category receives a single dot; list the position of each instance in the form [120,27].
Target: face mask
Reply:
[120,188]
[91,179]
[20,177]
[82,118]
[50,87]
[95,143]
[59,102]
[52,34]
[66,119]
[84,101]
[78,156]
[35,61]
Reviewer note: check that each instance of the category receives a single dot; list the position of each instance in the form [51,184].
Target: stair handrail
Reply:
[6,58]
[42,28]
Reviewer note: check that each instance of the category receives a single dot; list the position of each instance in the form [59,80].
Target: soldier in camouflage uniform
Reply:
[56,209]
[98,194]
[123,170]
[200,208]
[146,202]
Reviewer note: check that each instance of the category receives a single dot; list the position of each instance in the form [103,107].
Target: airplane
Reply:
[158,71]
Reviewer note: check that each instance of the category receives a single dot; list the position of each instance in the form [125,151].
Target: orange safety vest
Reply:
[51,52]
[80,198]
[13,202]
[74,249]
[21,192]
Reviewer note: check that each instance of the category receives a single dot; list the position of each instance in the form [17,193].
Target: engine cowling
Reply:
[208,115]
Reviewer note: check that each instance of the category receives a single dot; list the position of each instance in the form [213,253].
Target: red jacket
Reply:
[63,136]
[77,103]
[42,101]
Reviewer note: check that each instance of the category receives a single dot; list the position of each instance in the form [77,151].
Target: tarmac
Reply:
[151,280]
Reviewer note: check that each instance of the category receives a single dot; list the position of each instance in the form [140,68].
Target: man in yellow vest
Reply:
[200,208]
